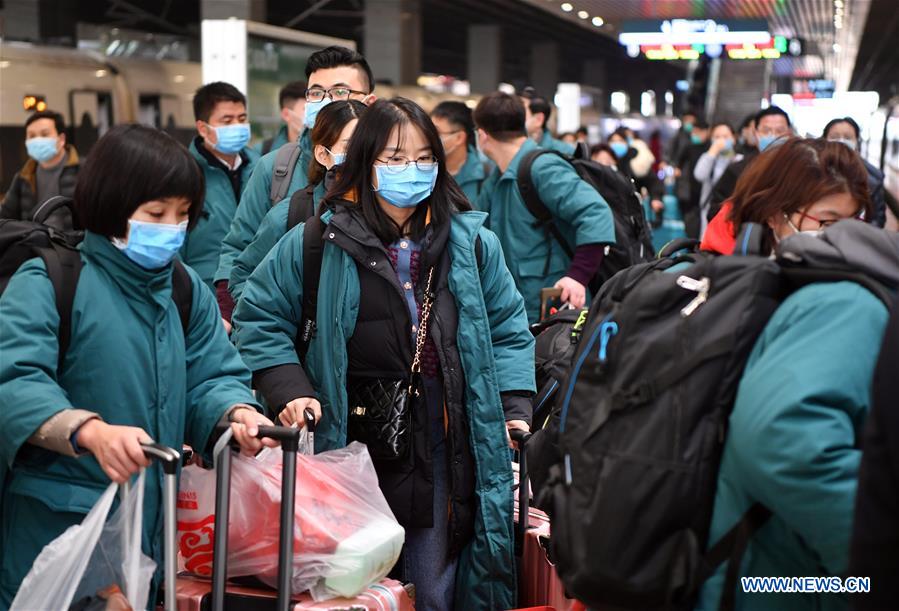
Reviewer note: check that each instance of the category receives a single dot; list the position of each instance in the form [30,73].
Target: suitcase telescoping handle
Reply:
[521,438]
[289,438]
[169,459]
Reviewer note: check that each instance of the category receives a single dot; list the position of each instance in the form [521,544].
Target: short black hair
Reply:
[336,56]
[48,114]
[207,96]
[602,146]
[501,115]
[747,121]
[581,130]
[459,115]
[290,93]
[701,123]
[690,112]
[538,104]
[767,112]
[849,120]
[130,166]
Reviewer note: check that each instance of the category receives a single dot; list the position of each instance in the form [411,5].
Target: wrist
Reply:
[88,432]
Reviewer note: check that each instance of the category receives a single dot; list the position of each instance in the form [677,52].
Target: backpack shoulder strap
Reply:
[313,246]
[63,268]
[182,293]
[285,163]
[301,207]
[532,198]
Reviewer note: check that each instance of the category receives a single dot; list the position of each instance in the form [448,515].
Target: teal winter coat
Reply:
[256,202]
[272,229]
[800,407]
[535,259]
[204,241]
[471,175]
[494,345]
[278,140]
[552,144]
[130,362]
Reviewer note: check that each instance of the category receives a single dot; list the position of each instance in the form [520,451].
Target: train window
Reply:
[149,112]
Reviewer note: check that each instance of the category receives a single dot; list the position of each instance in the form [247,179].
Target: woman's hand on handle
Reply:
[521,425]
[116,448]
[245,423]
[293,411]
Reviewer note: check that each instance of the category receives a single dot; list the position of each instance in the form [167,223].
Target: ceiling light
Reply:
[567,7]
[838,12]
[838,26]
[838,3]
[100,73]
[583,14]
[179,78]
[5,63]
[597,21]
[836,47]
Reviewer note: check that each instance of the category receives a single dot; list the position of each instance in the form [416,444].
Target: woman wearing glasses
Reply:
[806,389]
[421,351]
[801,186]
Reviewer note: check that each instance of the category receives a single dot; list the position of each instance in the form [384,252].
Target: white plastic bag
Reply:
[345,536]
[93,558]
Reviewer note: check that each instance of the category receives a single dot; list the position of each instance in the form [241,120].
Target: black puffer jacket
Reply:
[21,200]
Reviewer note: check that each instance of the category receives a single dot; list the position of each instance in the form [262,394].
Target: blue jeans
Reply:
[426,561]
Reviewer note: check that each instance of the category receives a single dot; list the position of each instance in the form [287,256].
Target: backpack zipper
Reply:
[701,286]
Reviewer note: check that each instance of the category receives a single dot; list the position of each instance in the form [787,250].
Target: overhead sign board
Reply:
[693,31]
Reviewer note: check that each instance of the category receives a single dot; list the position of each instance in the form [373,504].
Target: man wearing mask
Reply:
[689,189]
[221,151]
[538,111]
[770,125]
[51,170]
[747,142]
[456,127]
[292,100]
[582,216]
[334,73]
[847,131]
[681,139]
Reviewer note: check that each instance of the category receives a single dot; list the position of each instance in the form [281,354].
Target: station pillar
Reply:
[593,75]
[393,40]
[40,21]
[545,68]
[485,57]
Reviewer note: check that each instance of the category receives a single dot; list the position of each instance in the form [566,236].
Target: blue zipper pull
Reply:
[607,332]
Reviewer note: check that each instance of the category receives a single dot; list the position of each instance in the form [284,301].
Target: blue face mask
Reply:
[337,158]
[688,127]
[728,145]
[695,139]
[406,188]
[230,139]
[41,149]
[850,143]
[312,110]
[152,245]
[766,141]
[619,148]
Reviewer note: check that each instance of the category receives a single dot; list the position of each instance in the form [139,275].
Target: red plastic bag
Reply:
[345,536]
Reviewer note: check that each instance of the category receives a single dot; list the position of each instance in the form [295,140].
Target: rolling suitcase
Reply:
[199,594]
[539,586]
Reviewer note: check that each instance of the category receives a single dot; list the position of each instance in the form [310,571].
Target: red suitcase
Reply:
[199,594]
[539,585]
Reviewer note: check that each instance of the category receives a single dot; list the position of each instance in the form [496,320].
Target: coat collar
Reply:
[29,170]
[511,172]
[473,168]
[207,160]
[133,279]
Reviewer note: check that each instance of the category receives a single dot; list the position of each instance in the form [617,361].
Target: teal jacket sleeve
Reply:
[573,201]
[29,349]
[272,229]
[802,400]
[254,203]
[513,343]
[217,379]
[269,311]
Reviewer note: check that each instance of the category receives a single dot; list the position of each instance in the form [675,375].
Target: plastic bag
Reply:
[95,560]
[345,536]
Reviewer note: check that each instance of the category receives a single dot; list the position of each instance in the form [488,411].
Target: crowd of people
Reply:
[370,242]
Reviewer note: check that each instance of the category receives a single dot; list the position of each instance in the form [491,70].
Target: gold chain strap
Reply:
[423,327]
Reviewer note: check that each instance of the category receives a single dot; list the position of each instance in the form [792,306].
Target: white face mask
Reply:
[812,232]
[848,142]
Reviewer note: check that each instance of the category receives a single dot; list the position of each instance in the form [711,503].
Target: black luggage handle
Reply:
[521,529]
[289,438]
[170,458]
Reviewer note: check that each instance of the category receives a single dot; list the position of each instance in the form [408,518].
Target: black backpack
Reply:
[21,241]
[642,420]
[633,241]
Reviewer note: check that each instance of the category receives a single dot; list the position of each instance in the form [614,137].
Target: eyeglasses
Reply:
[822,223]
[335,94]
[395,165]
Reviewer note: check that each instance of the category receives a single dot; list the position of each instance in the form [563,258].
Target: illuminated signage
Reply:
[771,48]
[693,31]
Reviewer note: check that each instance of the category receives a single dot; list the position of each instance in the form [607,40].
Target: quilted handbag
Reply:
[380,411]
